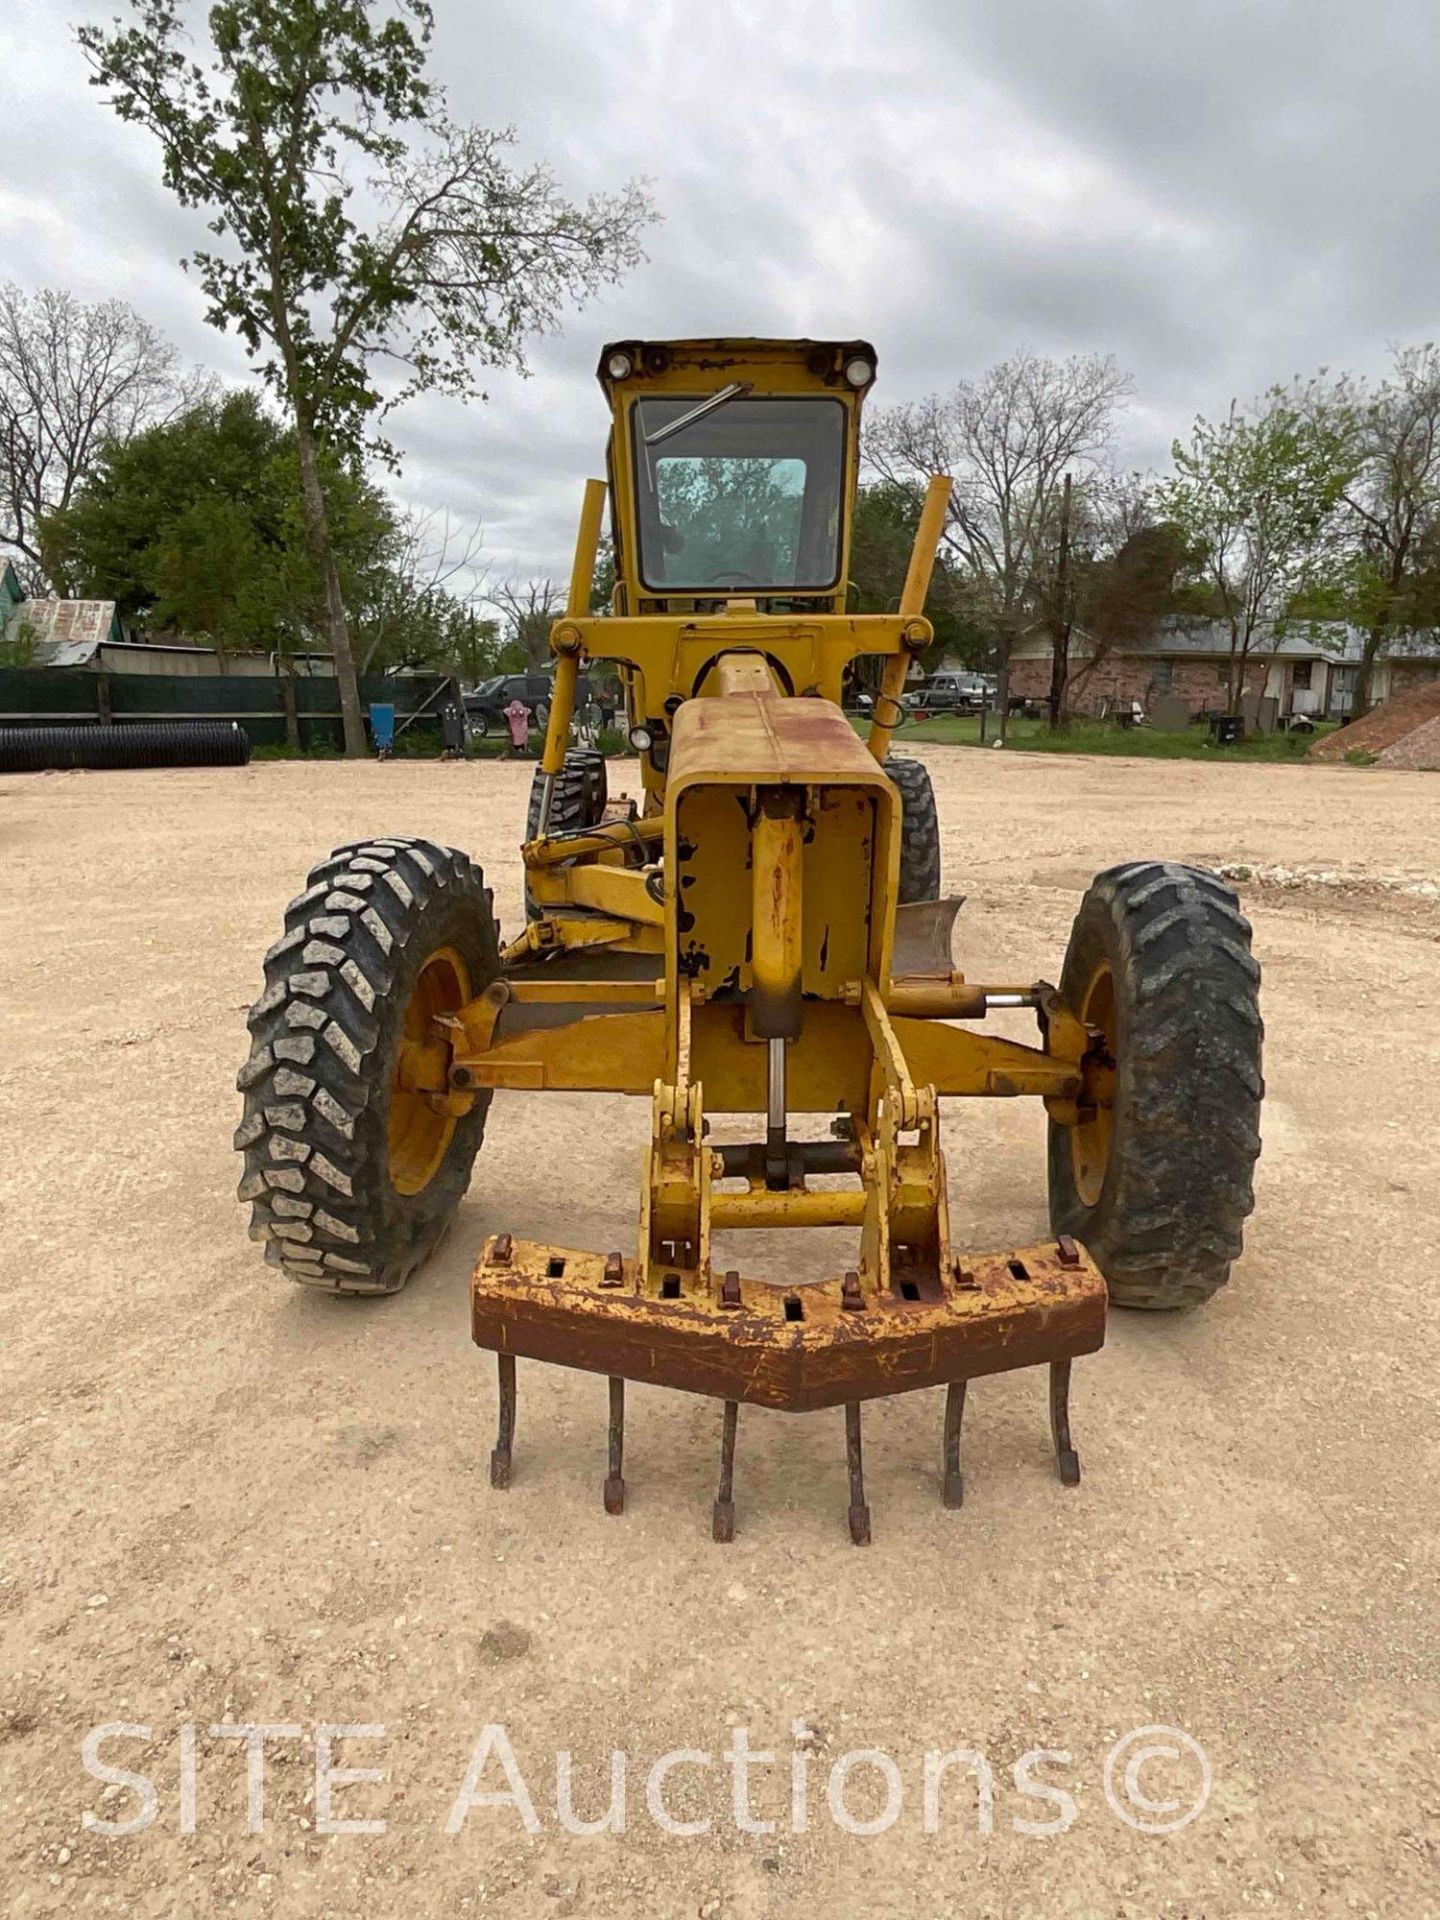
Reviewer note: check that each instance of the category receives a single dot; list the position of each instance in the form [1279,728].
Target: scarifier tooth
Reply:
[615,1449]
[501,1454]
[859,1512]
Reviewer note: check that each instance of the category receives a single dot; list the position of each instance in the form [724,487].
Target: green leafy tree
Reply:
[1103,578]
[1386,575]
[602,586]
[196,529]
[882,534]
[372,248]
[1255,499]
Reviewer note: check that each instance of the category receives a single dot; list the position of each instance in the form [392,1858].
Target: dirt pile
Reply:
[1418,751]
[1388,732]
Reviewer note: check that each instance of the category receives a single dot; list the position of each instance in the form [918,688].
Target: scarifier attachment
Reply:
[795,1349]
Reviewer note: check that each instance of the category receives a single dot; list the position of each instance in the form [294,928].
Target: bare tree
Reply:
[73,376]
[433,564]
[1008,441]
[530,608]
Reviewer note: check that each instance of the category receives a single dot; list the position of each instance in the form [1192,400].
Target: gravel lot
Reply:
[225,1500]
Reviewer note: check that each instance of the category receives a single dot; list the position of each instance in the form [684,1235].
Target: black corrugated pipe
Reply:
[135,743]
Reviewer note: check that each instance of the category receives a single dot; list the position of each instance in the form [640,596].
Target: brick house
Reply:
[1310,669]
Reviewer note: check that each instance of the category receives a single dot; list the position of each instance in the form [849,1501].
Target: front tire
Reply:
[1157,1180]
[352,1175]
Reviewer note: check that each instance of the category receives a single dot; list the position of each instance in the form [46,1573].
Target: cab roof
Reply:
[824,360]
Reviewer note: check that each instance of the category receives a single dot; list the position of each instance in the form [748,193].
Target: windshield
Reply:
[746,497]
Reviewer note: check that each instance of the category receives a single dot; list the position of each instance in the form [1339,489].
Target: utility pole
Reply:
[1060,616]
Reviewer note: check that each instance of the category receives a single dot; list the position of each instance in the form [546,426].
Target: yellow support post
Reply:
[912,606]
[587,546]
[565,639]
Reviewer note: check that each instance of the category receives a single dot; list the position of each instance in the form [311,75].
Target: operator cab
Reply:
[732,471]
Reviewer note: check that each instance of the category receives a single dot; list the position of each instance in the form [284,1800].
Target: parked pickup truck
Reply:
[950,692]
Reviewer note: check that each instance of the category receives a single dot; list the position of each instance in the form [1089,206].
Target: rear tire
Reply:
[352,1180]
[578,802]
[1158,1184]
[581,791]
[919,831]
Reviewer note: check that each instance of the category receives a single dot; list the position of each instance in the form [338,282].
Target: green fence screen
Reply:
[67,696]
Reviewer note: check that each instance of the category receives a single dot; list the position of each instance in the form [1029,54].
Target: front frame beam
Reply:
[625,1052]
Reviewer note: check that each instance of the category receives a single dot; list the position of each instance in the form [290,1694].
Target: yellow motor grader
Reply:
[761,935]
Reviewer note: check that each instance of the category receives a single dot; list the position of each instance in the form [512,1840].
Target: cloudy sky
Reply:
[1220,192]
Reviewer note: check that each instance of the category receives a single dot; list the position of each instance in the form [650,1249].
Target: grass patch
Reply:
[1104,737]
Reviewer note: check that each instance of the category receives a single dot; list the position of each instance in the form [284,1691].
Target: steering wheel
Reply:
[745,579]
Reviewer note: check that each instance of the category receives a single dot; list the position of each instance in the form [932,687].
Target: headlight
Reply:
[619,366]
[641,738]
[859,372]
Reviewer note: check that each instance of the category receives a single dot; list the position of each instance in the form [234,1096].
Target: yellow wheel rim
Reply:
[421,1122]
[1090,1140]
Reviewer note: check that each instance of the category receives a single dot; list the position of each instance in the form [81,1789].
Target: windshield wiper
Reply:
[709,405]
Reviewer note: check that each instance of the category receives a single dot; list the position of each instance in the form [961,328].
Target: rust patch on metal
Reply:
[755,1352]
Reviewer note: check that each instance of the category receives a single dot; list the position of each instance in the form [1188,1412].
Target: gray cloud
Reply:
[1221,192]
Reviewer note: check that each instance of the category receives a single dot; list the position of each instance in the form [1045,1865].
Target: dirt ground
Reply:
[225,1501]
